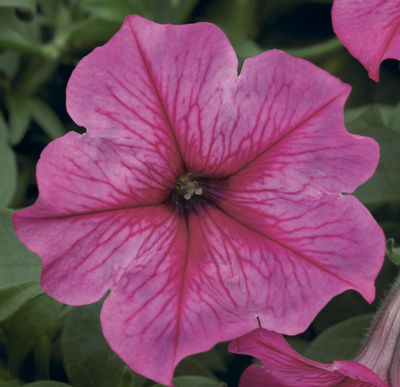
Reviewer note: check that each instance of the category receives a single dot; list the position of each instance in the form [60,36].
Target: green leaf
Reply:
[44,115]
[37,317]
[130,379]
[20,35]
[194,381]
[17,264]
[87,33]
[26,4]
[114,11]
[384,186]
[3,129]
[13,297]
[6,379]
[84,348]
[9,60]
[341,341]
[19,117]
[299,344]
[193,366]
[169,11]
[393,252]
[8,383]
[47,383]
[247,48]
[19,269]
[8,174]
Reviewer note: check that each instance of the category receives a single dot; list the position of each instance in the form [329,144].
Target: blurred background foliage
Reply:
[40,43]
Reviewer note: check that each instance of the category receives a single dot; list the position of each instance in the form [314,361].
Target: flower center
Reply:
[193,190]
[187,187]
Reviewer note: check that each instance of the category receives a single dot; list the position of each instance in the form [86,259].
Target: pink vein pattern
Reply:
[271,238]
[369,29]
[283,367]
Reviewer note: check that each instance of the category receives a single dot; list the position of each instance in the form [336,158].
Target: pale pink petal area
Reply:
[369,29]
[290,115]
[158,86]
[84,255]
[183,302]
[282,366]
[79,174]
[317,249]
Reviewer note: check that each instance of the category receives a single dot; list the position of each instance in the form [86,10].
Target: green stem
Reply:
[316,50]
[42,354]
[46,51]
[243,11]
[59,323]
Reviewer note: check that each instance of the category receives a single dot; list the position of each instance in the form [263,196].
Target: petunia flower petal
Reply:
[369,29]
[317,249]
[282,366]
[157,86]
[289,192]
[84,255]
[187,300]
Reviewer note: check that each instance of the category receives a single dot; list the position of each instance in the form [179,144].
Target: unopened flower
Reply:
[381,350]
[206,201]
[370,30]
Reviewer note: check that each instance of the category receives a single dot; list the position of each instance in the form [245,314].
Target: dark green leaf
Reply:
[114,11]
[247,48]
[18,34]
[3,129]
[26,4]
[88,359]
[6,379]
[194,381]
[169,11]
[88,33]
[130,379]
[193,366]
[20,117]
[299,344]
[44,115]
[47,383]
[393,252]
[25,328]
[9,60]
[13,297]
[17,264]
[385,184]
[341,341]
[8,383]
[239,20]
[344,306]
[8,174]
[38,72]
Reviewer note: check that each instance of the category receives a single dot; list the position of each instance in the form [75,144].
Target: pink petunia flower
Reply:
[370,30]
[204,200]
[284,367]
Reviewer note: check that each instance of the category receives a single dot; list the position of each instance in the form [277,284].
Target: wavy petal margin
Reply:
[369,29]
[282,366]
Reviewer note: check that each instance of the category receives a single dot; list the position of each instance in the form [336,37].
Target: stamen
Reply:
[191,186]
[188,188]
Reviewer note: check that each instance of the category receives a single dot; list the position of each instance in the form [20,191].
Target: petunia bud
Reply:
[381,350]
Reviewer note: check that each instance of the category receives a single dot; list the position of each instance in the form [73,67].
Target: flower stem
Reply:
[316,50]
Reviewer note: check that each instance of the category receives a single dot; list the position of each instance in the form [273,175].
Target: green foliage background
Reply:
[46,344]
